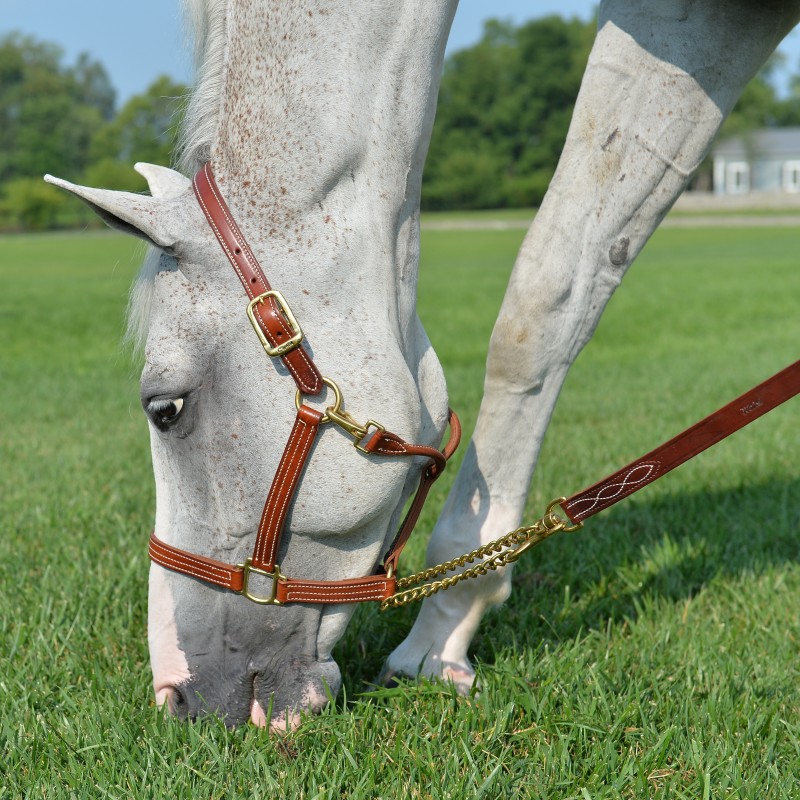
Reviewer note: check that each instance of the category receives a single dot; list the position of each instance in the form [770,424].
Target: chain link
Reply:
[497,554]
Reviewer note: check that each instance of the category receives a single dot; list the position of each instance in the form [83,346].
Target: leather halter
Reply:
[282,338]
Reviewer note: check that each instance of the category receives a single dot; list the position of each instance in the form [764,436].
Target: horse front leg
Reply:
[661,78]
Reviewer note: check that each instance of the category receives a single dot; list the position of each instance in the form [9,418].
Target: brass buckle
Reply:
[297,333]
[248,569]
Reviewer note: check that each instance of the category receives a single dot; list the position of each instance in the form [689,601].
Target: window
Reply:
[791,177]
[737,177]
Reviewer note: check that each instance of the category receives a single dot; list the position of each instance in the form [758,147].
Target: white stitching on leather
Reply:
[601,500]
[254,265]
[292,446]
[300,595]
[201,566]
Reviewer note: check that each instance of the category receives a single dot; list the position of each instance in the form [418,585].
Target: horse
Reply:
[316,118]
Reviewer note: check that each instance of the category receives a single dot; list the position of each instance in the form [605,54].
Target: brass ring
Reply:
[337,401]
[567,527]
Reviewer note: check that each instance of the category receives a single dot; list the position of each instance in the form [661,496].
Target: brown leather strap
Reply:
[714,428]
[287,590]
[429,475]
[268,314]
[284,485]
[228,576]
[292,590]
[353,590]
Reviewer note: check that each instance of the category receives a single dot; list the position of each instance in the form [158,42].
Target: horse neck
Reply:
[321,135]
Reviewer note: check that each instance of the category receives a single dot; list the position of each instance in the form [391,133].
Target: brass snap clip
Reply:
[349,425]
[549,524]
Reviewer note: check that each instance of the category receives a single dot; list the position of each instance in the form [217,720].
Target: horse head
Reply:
[220,413]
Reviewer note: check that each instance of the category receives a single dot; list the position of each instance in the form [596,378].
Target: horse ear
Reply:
[163,182]
[140,215]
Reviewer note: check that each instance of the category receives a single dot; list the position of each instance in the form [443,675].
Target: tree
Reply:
[505,105]
[61,119]
[758,106]
[504,110]
[48,112]
[31,203]
[146,127]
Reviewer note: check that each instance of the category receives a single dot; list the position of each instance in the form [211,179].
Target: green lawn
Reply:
[654,654]
[508,215]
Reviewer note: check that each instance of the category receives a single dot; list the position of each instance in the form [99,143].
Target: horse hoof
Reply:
[391,679]
[463,680]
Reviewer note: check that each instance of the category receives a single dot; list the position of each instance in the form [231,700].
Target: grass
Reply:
[508,215]
[652,655]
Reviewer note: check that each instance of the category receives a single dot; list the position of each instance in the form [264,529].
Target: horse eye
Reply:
[164,412]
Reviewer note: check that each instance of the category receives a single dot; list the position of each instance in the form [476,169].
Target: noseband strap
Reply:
[282,337]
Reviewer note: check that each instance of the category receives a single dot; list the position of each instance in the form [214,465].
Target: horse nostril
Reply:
[178,704]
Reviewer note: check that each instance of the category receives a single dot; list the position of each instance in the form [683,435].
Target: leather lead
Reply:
[709,431]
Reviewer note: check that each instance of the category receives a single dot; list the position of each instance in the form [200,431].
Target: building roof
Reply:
[765,142]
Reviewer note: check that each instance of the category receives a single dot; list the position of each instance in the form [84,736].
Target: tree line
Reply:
[63,119]
[505,105]
[504,109]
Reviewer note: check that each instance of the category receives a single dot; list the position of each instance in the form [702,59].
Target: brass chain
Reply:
[497,554]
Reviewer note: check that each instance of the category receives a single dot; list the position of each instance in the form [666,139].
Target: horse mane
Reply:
[205,24]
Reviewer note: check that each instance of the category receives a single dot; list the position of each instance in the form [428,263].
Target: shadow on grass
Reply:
[667,548]
[645,550]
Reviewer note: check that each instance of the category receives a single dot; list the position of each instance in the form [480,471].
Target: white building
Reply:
[766,160]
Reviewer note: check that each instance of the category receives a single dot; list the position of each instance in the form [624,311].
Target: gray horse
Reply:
[316,117]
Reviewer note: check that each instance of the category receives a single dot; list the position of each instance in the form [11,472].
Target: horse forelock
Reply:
[205,22]
[140,301]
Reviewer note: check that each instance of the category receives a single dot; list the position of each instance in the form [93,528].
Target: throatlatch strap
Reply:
[429,476]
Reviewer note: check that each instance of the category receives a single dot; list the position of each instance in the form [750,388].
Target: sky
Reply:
[138,41]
